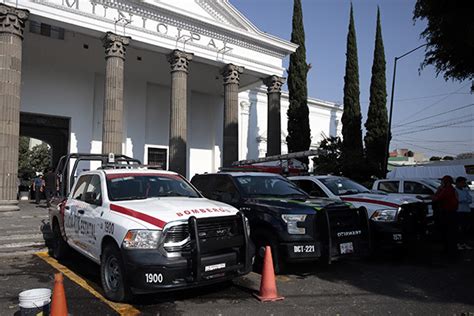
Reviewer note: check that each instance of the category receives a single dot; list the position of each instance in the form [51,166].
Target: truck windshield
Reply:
[143,186]
[268,186]
[343,186]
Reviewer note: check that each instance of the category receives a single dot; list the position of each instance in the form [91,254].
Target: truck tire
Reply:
[112,275]
[261,240]
[59,249]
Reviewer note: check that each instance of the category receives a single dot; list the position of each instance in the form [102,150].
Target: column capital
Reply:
[231,73]
[12,20]
[274,83]
[179,60]
[115,45]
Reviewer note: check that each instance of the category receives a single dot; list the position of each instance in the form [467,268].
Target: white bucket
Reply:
[24,195]
[35,302]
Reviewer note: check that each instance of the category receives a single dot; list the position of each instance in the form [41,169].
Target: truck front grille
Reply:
[177,239]
[218,227]
[343,220]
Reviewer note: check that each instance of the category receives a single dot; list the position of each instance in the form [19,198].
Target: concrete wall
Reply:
[324,119]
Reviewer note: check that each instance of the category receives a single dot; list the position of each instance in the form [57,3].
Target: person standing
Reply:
[464,211]
[38,188]
[50,185]
[445,202]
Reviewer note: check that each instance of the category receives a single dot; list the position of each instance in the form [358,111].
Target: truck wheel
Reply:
[261,241]
[60,249]
[112,275]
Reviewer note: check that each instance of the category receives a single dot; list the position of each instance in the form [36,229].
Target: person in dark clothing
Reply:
[50,185]
[446,204]
[38,186]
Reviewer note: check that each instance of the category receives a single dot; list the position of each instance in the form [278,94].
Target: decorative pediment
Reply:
[220,11]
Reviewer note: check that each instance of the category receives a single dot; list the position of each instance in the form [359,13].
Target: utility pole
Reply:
[387,143]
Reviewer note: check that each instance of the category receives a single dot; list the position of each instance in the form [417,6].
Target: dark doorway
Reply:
[51,129]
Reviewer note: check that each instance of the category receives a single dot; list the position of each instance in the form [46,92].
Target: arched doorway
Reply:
[53,130]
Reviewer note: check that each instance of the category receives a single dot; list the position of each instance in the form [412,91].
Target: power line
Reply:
[430,149]
[437,102]
[427,97]
[437,123]
[420,97]
[430,128]
[435,115]
[455,141]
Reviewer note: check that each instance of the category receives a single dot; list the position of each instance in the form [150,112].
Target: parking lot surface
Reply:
[421,283]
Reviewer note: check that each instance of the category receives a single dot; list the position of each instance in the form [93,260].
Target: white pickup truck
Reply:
[394,220]
[421,188]
[149,230]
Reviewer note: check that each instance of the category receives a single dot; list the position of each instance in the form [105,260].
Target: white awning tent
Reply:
[431,172]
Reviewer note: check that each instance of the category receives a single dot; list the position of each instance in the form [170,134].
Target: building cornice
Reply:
[312,102]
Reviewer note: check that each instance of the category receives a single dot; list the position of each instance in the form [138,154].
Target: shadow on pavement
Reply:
[419,275]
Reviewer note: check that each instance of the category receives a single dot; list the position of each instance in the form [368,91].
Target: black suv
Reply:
[284,217]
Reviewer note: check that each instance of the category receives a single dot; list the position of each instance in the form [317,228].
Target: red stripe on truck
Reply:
[362,200]
[141,216]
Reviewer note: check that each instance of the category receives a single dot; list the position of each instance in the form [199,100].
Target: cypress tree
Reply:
[377,123]
[299,133]
[352,150]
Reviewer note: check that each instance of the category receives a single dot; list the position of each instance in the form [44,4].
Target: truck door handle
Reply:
[80,212]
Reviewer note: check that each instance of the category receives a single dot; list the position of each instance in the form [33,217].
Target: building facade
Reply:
[190,84]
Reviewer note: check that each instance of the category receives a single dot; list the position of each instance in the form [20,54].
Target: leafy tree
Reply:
[465,155]
[40,157]
[352,149]
[448,158]
[377,122]
[435,158]
[299,133]
[329,160]
[450,36]
[24,155]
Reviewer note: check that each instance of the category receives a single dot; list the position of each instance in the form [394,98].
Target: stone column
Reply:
[179,62]
[244,128]
[230,150]
[274,84]
[12,23]
[112,129]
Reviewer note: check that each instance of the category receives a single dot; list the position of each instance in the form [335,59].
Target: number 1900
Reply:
[153,277]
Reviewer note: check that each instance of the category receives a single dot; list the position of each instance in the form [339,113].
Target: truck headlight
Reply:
[141,239]
[292,221]
[384,215]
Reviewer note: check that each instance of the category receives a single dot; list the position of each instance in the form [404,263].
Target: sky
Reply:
[419,94]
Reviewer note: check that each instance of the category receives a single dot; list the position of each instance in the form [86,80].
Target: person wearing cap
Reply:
[464,211]
[445,201]
[38,186]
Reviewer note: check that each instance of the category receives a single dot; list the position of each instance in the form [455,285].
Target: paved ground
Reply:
[420,284]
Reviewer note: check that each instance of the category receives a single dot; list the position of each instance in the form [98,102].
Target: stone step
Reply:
[24,236]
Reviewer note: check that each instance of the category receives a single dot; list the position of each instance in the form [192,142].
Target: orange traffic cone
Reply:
[268,290]
[58,304]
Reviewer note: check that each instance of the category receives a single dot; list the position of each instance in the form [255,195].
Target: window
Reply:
[224,190]
[80,186]
[343,186]
[134,187]
[202,183]
[94,187]
[268,186]
[310,187]
[157,157]
[411,187]
[389,186]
